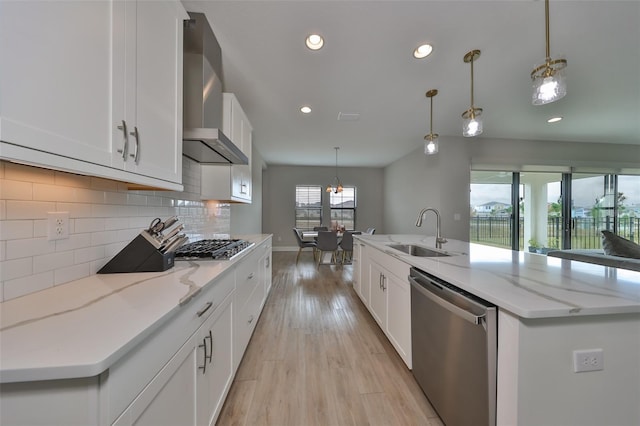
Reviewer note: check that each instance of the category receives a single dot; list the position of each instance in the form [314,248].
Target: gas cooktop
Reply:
[212,249]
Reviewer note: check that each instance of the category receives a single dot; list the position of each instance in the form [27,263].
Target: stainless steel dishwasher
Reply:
[454,349]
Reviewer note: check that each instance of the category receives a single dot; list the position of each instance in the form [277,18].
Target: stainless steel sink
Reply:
[418,251]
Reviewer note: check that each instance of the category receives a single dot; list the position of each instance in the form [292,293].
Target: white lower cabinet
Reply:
[361,271]
[169,399]
[180,374]
[390,300]
[214,364]
[190,388]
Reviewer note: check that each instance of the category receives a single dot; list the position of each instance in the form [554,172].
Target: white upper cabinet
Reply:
[80,73]
[231,182]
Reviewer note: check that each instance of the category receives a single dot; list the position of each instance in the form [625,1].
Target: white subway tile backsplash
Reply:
[89,224]
[45,192]
[88,254]
[52,261]
[31,284]
[16,190]
[40,227]
[29,209]
[75,241]
[29,247]
[74,272]
[16,268]
[105,237]
[104,218]
[16,229]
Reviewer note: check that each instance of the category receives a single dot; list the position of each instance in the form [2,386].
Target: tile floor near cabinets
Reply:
[318,358]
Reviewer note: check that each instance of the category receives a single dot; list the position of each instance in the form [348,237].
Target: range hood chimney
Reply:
[203,140]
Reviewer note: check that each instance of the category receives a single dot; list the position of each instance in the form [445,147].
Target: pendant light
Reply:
[471,121]
[431,140]
[338,185]
[549,84]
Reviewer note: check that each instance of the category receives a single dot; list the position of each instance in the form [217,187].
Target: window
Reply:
[343,207]
[308,206]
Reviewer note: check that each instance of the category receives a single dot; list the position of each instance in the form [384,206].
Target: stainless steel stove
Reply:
[212,249]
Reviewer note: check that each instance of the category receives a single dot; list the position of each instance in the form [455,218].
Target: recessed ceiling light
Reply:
[554,119]
[314,41]
[422,51]
[305,109]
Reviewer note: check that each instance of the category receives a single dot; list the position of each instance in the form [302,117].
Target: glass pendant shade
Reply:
[549,82]
[431,144]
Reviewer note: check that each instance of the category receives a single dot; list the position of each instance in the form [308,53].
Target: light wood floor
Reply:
[318,358]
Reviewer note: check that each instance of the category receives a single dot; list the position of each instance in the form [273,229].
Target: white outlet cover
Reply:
[57,226]
[588,360]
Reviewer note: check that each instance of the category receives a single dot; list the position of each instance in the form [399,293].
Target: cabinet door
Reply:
[266,268]
[399,316]
[237,127]
[56,78]
[214,363]
[355,261]
[154,90]
[169,399]
[378,297]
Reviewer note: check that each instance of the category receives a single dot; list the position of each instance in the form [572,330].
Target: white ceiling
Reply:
[367,67]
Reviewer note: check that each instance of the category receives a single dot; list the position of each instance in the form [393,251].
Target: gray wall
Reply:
[247,218]
[279,197]
[442,181]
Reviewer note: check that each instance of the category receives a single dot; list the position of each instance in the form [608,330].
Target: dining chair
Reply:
[346,244]
[370,231]
[304,244]
[327,241]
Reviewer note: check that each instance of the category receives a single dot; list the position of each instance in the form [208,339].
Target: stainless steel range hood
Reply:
[203,140]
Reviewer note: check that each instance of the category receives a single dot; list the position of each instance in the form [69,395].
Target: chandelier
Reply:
[549,84]
[337,185]
[471,121]
[431,140]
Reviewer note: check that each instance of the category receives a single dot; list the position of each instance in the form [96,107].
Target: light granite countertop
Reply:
[81,328]
[525,284]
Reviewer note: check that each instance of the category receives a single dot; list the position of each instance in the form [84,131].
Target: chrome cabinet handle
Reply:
[210,347]
[250,319]
[125,141]
[380,281]
[204,361]
[136,151]
[205,309]
[250,277]
[384,285]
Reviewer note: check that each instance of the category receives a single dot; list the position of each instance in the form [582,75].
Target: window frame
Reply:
[309,225]
[342,209]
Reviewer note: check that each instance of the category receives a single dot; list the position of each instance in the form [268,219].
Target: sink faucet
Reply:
[439,238]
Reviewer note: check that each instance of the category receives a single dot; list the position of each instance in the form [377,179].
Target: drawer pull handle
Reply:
[205,309]
[250,319]
[250,277]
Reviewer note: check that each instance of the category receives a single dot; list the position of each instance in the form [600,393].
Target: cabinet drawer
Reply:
[391,264]
[247,277]
[245,322]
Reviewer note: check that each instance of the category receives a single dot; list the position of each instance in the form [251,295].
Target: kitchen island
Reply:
[87,351]
[548,308]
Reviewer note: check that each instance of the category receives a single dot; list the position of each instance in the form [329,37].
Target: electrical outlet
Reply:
[57,226]
[588,360]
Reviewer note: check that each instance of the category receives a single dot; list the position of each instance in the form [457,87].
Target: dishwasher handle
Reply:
[462,313]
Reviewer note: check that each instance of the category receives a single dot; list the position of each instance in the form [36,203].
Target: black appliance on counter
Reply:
[212,249]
